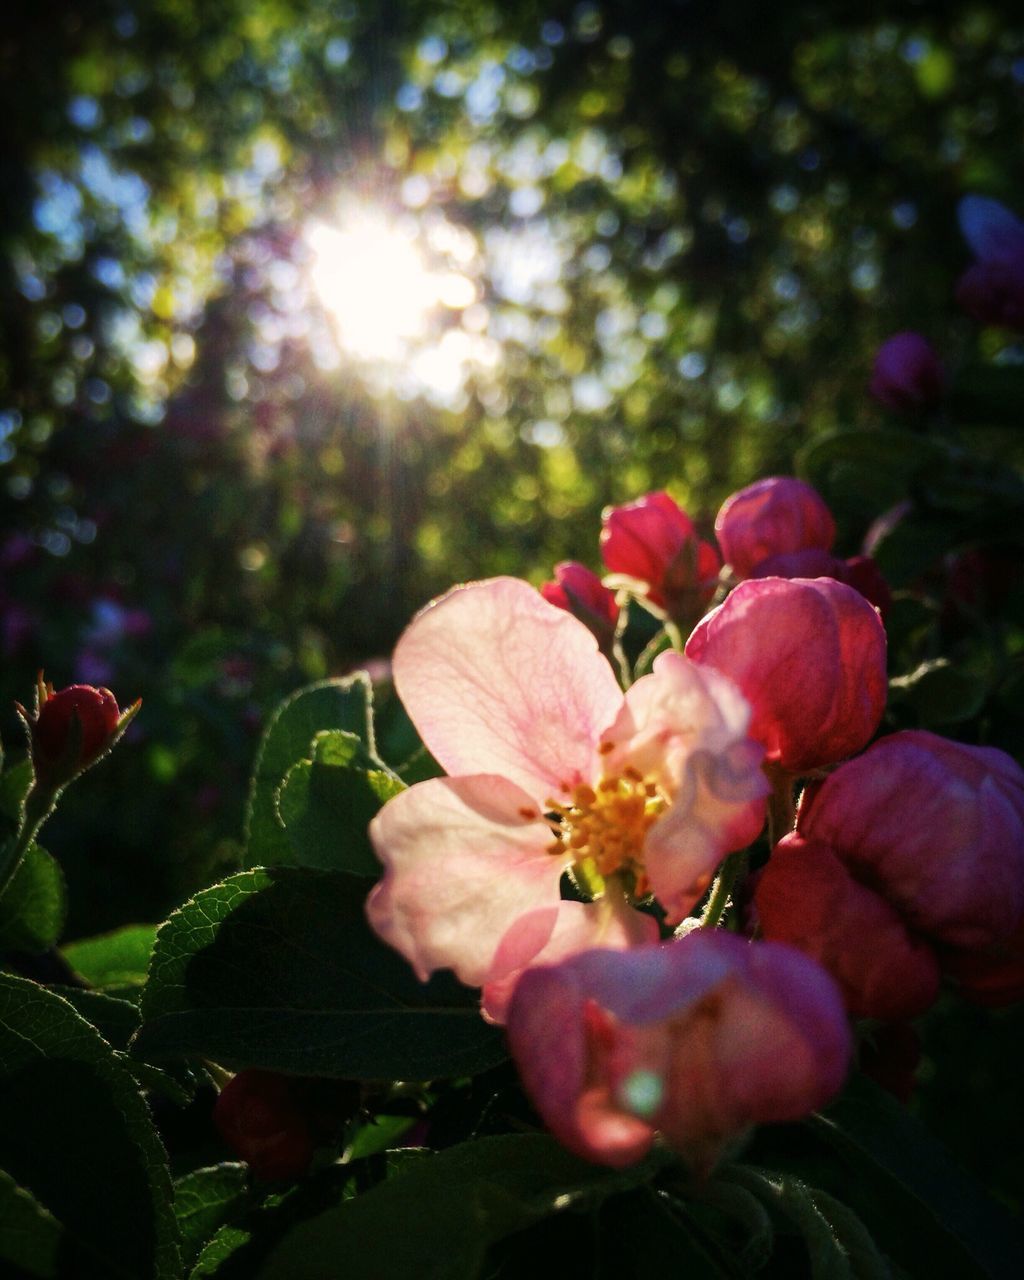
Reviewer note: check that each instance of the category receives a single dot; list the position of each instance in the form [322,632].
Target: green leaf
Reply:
[115,1020]
[924,1211]
[438,1217]
[75,1132]
[990,395]
[117,959]
[332,704]
[938,693]
[869,469]
[204,1200]
[34,906]
[326,803]
[279,969]
[30,1236]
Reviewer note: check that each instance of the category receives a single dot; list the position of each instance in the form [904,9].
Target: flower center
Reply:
[604,828]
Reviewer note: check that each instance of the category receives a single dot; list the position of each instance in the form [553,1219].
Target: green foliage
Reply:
[453,1206]
[30,1236]
[279,969]
[204,1199]
[117,959]
[325,804]
[334,704]
[33,907]
[64,1090]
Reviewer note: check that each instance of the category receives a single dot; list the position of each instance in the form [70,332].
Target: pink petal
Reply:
[551,934]
[464,858]
[686,727]
[496,681]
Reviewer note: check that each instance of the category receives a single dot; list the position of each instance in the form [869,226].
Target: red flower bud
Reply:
[581,592]
[655,542]
[260,1121]
[935,826]
[807,897]
[908,375]
[71,729]
[773,517]
[809,657]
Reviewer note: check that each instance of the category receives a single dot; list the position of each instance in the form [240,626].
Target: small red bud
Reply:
[258,1117]
[71,729]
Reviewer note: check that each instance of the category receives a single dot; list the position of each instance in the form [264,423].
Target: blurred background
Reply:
[310,309]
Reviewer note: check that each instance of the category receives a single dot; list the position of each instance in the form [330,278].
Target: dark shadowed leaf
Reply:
[76,1134]
[279,969]
[34,906]
[204,1200]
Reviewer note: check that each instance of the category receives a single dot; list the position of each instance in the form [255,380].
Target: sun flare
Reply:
[373,277]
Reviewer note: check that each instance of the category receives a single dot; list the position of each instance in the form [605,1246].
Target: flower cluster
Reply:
[583,818]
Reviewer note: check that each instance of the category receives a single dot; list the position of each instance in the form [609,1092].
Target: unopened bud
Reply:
[71,729]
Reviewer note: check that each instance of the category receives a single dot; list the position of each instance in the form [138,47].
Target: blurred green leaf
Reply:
[30,1236]
[75,1132]
[451,1206]
[922,1208]
[34,906]
[14,783]
[280,969]
[989,395]
[332,704]
[939,693]
[326,804]
[119,959]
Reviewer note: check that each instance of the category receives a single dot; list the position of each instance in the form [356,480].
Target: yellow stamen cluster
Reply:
[605,827]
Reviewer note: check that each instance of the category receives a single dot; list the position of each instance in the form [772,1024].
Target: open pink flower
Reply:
[699,1038]
[773,517]
[654,542]
[552,767]
[809,656]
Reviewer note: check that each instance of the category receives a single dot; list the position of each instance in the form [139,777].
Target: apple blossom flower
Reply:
[992,976]
[773,517]
[809,656]
[551,768]
[912,848]
[908,375]
[654,542]
[698,1038]
[992,290]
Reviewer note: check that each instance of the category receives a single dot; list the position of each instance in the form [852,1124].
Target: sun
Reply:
[373,277]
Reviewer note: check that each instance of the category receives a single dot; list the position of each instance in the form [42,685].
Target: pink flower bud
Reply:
[807,897]
[908,375]
[936,828]
[258,1118]
[773,517]
[71,730]
[859,572]
[655,542]
[809,656]
[581,592]
[699,1038]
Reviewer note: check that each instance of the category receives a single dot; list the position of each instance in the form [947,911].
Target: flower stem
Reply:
[732,869]
[39,803]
